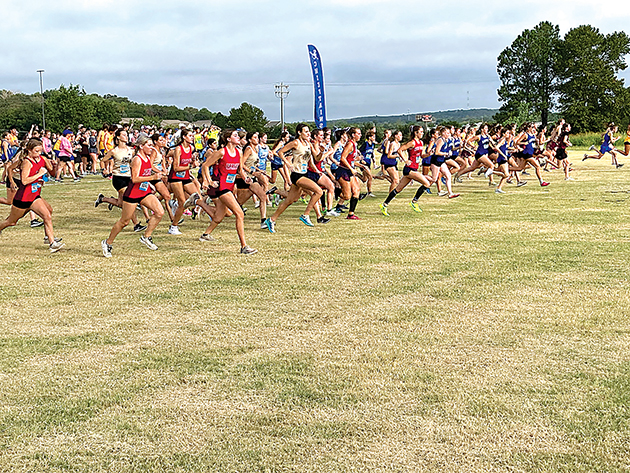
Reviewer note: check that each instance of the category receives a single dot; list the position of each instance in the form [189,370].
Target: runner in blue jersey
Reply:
[438,161]
[607,146]
[481,154]
[389,159]
[367,158]
[525,142]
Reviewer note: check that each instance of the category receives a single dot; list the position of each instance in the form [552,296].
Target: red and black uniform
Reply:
[343,172]
[29,193]
[225,171]
[136,191]
[185,157]
[415,157]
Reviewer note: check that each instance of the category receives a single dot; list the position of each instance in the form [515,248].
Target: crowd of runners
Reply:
[210,172]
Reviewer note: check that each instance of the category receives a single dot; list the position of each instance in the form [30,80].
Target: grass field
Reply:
[489,333]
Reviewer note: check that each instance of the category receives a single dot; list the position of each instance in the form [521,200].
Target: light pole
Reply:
[282,90]
[41,89]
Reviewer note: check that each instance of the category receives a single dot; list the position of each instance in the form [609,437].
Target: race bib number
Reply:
[180,174]
[230,178]
[303,168]
[124,168]
[35,187]
[159,166]
[144,186]
[252,170]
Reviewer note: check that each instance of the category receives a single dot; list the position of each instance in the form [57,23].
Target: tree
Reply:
[248,117]
[591,94]
[529,75]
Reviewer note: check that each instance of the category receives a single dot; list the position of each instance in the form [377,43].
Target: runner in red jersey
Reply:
[139,191]
[346,174]
[28,196]
[411,171]
[226,164]
[180,180]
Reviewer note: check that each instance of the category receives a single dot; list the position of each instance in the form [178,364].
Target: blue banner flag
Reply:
[318,83]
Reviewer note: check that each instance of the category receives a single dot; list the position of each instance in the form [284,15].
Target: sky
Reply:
[379,57]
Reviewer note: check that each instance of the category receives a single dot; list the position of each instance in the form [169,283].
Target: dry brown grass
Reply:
[489,333]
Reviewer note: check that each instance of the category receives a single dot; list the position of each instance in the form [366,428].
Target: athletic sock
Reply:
[353,204]
[390,197]
[419,192]
[323,200]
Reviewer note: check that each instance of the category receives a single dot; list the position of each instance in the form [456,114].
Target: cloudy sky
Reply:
[379,57]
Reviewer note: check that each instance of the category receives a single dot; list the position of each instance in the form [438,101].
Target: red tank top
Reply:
[352,155]
[30,192]
[184,161]
[226,169]
[139,190]
[415,155]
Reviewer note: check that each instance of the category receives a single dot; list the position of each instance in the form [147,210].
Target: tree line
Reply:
[72,105]
[575,76]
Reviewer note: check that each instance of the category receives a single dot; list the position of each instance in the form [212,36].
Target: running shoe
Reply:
[524,173]
[36,223]
[187,213]
[263,225]
[482,170]
[276,200]
[76,179]
[173,230]
[47,241]
[271,225]
[442,193]
[306,220]
[272,190]
[499,191]
[323,220]
[619,165]
[585,157]
[592,148]
[148,241]
[55,246]
[181,220]
[443,180]
[428,191]
[371,195]
[139,228]
[107,249]
[110,206]
[332,213]
[491,184]
[544,184]
[458,179]
[521,184]
[246,250]
[453,196]
[99,200]
[192,200]
[352,217]
[569,179]
[489,172]
[362,195]
[206,237]
[174,205]
[257,204]
[415,207]
[383,208]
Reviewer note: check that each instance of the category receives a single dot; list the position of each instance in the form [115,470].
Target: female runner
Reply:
[277,164]
[249,185]
[608,146]
[138,192]
[226,165]
[302,156]
[561,151]
[438,161]
[526,140]
[118,161]
[411,171]
[33,166]
[389,159]
[180,180]
[347,176]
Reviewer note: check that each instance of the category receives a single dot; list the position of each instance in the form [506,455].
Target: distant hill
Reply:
[462,116]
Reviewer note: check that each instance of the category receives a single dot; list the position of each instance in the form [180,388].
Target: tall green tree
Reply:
[528,73]
[591,94]
[249,117]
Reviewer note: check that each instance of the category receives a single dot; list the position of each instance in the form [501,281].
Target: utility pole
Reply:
[282,90]
[41,89]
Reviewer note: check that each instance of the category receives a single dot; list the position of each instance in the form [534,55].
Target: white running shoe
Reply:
[148,241]
[55,246]
[192,200]
[174,230]
[489,172]
[499,191]
[107,249]
[207,237]
[442,193]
